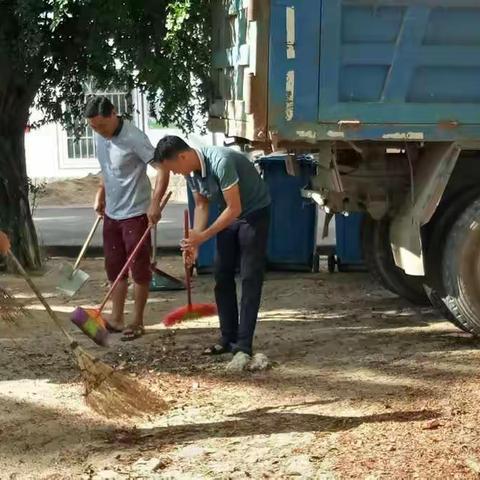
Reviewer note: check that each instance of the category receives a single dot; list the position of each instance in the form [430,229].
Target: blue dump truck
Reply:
[385,96]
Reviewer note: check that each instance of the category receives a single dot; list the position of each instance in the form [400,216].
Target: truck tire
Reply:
[379,261]
[331,263]
[460,268]
[439,305]
[442,223]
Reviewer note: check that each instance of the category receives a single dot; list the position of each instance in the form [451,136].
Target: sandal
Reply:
[132,333]
[112,329]
[216,349]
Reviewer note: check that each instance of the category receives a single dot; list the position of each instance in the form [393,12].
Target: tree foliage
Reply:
[51,49]
[159,46]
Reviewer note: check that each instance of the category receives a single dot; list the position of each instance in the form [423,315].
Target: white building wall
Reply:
[47,153]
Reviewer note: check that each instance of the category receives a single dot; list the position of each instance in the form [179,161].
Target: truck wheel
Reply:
[441,226]
[368,253]
[316,263]
[379,261]
[461,268]
[439,305]
[331,263]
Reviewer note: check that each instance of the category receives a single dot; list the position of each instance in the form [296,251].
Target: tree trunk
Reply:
[15,215]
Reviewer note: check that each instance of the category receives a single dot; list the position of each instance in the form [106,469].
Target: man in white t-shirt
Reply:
[125,202]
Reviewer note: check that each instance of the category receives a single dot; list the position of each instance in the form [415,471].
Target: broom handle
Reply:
[87,242]
[131,257]
[188,279]
[35,290]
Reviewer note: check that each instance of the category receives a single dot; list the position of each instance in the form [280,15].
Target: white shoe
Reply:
[259,362]
[238,363]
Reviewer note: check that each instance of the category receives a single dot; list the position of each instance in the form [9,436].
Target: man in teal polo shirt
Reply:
[228,178]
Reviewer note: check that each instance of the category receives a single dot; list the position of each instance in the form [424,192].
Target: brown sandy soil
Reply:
[77,191]
[363,386]
[81,191]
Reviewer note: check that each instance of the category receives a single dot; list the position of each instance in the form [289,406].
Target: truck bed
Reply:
[315,70]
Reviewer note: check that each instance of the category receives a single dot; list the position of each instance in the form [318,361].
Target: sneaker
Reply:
[259,362]
[238,363]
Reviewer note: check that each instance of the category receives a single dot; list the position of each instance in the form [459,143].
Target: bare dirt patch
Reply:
[362,386]
[81,191]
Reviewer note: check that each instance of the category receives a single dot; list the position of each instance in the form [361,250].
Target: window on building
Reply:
[84,147]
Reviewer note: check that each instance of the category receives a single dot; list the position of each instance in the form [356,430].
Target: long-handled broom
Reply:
[107,391]
[191,311]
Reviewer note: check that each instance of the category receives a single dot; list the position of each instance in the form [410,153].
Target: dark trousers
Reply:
[243,243]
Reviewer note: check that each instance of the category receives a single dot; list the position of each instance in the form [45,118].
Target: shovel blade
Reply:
[73,283]
[163,282]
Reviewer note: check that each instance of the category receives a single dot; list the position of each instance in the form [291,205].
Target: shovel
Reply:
[162,281]
[74,278]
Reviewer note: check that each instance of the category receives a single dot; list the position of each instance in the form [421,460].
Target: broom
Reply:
[10,309]
[108,392]
[90,320]
[191,311]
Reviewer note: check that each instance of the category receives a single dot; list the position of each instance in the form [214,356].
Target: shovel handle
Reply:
[154,253]
[87,243]
[131,257]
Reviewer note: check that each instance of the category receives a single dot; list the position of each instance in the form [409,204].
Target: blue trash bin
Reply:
[292,237]
[349,250]
[206,252]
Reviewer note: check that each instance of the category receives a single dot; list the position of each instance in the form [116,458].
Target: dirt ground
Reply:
[69,192]
[363,386]
[81,191]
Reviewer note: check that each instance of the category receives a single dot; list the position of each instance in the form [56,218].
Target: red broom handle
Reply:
[132,256]
[188,279]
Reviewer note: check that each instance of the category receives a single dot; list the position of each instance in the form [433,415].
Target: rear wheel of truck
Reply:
[461,268]
[442,223]
[379,261]
[439,305]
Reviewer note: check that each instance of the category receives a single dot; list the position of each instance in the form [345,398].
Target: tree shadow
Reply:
[270,421]
[32,430]
[326,358]
[320,347]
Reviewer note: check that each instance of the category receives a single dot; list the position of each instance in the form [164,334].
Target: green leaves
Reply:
[161,47]
[60,11]
[177,13]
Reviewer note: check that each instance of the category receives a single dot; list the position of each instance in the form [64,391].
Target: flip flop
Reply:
[132,333]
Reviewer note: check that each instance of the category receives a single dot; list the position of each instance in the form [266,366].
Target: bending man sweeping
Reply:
[228,178]
[125,201]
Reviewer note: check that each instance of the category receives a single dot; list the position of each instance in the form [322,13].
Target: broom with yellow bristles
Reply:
[10,309]
[107,391]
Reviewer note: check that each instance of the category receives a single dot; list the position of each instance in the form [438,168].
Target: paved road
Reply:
[62,230]
[69,226]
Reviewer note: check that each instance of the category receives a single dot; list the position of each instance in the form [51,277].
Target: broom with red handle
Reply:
[90,320]
[191,311]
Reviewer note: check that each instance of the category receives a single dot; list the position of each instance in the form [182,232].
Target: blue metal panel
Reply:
[415,79]
[400,69]
[304,64]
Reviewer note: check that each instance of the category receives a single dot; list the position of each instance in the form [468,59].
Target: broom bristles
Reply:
[193,312]
[113,394]
[10,309]
[91,323]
